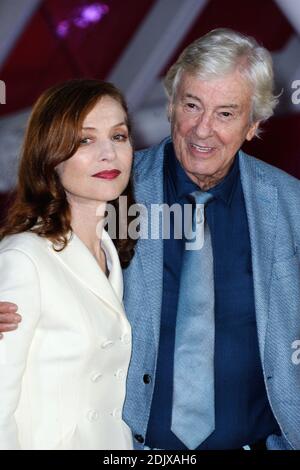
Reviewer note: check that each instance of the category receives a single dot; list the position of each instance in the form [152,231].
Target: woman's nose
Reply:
[106,151]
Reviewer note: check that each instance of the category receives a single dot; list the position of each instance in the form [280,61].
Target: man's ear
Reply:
[251,132]
[169,110]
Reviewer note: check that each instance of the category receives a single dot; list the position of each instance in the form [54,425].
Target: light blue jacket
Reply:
[272,200]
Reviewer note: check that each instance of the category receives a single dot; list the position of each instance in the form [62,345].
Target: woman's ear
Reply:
[59,168]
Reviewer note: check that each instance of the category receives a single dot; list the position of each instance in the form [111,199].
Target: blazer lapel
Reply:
[80,262]
[261,206]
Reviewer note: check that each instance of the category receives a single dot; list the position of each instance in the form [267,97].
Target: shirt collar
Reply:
[183,185]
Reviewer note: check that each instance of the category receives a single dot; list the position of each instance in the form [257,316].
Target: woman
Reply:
[63,373]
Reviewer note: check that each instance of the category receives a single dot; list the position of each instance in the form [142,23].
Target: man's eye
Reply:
[120,137]
[191,105]
[225,114]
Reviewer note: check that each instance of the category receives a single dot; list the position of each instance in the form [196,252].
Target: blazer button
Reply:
[92,415]
[139,438]
[95,376]
[126,339]
[107,344]
[117,413]
[147,378]
[120,374]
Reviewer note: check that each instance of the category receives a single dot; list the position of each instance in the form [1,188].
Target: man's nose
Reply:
[204,126]
[106,151]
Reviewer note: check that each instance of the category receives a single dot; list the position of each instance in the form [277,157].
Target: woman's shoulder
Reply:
[28,242]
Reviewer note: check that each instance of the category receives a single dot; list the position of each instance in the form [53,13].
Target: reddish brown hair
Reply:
[53,135]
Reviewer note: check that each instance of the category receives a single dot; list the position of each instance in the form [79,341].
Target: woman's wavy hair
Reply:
[39,203]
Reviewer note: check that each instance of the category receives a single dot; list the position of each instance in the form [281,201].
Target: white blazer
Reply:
[63,372]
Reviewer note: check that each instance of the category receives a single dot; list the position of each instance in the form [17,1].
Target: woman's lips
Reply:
[107,174]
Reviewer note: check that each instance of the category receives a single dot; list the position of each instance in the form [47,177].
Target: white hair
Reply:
[223,51]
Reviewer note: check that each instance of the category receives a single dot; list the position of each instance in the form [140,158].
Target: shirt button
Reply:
[92,415]
[95,376]
[139,438]
[120,374]
[117,413]
[126,339]
[107,344]
[147,378]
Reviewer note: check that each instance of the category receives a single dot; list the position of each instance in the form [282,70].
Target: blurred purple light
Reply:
[63,29]
[83,18]
[80,22]
[94,13]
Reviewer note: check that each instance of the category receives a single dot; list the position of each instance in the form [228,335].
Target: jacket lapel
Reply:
[148,185]
[261,206]
[78,260]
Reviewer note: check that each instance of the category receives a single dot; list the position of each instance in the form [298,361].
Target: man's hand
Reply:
[9,318]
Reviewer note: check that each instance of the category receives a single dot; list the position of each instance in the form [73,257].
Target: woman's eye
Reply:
[120,137]
[85,140]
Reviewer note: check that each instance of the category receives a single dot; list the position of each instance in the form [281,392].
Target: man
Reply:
[220,90]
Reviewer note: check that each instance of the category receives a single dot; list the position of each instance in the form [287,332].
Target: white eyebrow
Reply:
[194,97]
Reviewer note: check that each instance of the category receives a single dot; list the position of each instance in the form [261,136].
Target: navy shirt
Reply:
[242,412]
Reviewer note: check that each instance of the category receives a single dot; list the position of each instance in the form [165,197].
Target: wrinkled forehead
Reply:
[233,87]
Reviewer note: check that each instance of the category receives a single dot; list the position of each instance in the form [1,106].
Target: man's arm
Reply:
[9,318]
